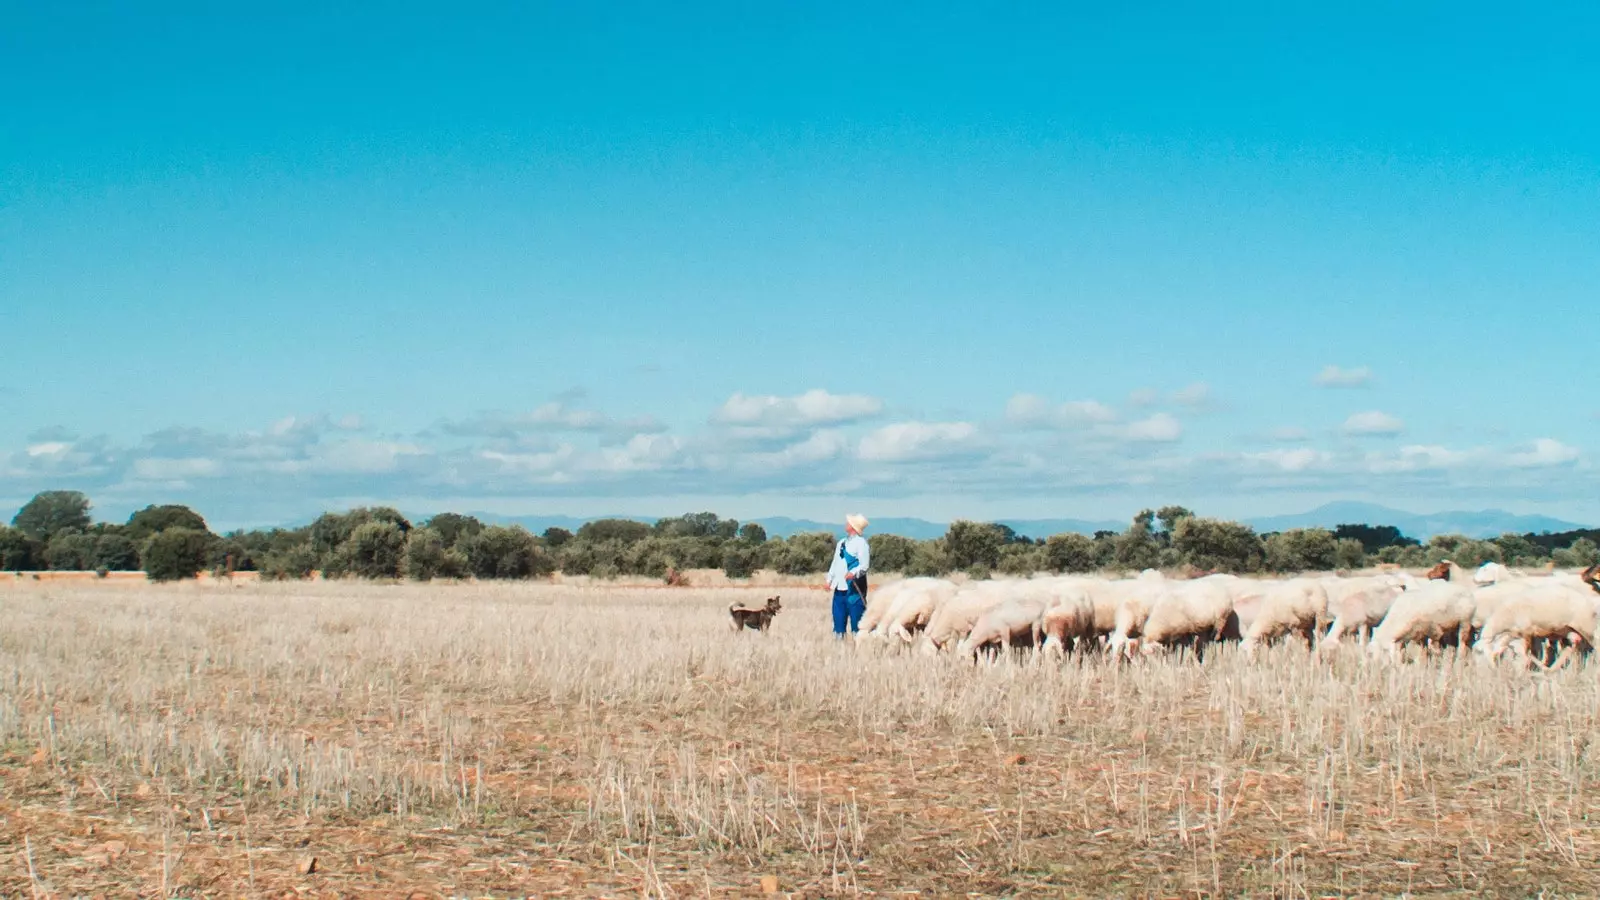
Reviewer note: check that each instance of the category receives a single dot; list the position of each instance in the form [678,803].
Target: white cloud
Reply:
[54,449]
[1143,397]
[1288,433]
[553,417]
[1159,428]
[1373,423]
[1194,396]
[814,407]
[1033,410]
[1417,458]
[1336,377]
[1544,452]
[1298,460]
[175,469]
[917,440]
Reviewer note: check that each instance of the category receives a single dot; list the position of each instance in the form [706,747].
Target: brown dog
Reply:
[758,618]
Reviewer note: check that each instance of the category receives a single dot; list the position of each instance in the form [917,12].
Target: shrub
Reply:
[1070,552]
[18,552]
[427,557]
[151,519]
[115,553]
[295,562]
[891,552]
[176,554]
[501,551]
[70,552]
[373,550]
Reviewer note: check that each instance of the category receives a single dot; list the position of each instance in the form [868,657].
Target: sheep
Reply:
[1015,621]
[758,618]
[1436,611]
[1552,612]
[914,605]
[955,617]
[1196,610]
[1134,598]
[1591,577]
[1357,605]
[1075,614]
[1299,604]
[879,600]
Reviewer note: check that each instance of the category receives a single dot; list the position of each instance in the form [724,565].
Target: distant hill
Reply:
[1480,524]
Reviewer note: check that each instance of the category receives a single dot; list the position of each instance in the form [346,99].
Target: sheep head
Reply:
[1591,577]
[1441,572]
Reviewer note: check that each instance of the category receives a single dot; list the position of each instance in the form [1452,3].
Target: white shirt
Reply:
[839,574]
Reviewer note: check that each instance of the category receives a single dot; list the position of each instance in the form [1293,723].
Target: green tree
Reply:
[1070,552]
[1022,559]
[373,550]
[973,546]
[1350,554]
[18,552]
[70,552]
[891,552]
[51,512]
[1137,548]
[1374,537]
[929,558]
[427,557]
[556,538]
[806,553]
[176,554]
[1169,516]
[698,525]
[740,559]
[1215,545]
[152,519]
[1302,550]
[1518,550]
[581,557]
[1582,553]
[501,551]
[292,562]
[115,553]
[452,527]
[752,533]
[625,530]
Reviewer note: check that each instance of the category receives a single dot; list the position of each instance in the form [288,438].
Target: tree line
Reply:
[55,531]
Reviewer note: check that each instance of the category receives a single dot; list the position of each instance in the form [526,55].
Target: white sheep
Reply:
[1551,612]
[1198,610]
[1074,615]
[913,608]
[1357,605]
[1298,604]
[879,600]
[1435,611]
[1134,599]
[954,618]
[1015,621]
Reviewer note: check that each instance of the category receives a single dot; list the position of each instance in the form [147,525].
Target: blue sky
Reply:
[784,260]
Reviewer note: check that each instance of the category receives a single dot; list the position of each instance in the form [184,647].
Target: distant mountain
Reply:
[1481,524]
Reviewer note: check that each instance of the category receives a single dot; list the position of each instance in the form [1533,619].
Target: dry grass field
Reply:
[562,740]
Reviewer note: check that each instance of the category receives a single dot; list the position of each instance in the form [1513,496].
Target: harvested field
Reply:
[547,740]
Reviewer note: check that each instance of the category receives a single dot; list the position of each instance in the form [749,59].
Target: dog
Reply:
[758,618]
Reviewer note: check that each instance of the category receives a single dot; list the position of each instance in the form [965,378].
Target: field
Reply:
[332,739]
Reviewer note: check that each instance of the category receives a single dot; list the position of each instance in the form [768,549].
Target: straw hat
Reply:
[856,521]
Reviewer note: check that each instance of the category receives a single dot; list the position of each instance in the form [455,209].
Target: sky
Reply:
[793,259]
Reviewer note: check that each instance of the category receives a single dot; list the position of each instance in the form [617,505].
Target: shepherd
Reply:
[847,576]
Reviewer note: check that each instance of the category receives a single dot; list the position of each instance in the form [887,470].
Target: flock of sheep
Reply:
[1492,610]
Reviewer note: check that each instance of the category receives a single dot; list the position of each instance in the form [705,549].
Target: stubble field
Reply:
[545,740]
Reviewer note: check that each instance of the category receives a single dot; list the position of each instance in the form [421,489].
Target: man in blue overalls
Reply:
[847,575]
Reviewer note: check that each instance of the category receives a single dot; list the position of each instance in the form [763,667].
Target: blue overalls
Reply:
[849,604]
